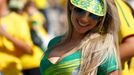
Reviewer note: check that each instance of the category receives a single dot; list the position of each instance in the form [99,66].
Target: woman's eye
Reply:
[93,16]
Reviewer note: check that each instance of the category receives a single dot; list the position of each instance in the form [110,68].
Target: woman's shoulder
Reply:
[109,65]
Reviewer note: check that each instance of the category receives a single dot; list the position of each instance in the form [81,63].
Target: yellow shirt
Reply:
[9,64]
[41,4]
[16,26]
[38,17]
[40,20]
[126,18]
[126,29]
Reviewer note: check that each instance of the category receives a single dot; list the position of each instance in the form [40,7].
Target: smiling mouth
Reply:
[82,24]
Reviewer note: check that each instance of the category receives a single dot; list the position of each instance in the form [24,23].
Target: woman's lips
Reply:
[82,24]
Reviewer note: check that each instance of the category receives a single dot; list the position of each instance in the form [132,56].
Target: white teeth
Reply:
[81,24]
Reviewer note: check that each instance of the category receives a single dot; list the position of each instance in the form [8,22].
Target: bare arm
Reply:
[18,43]
[127,48]
[117,72]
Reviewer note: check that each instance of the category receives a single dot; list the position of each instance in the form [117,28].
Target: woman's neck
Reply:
[77,36]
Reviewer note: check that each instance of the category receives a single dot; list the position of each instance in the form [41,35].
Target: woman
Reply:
[89,46]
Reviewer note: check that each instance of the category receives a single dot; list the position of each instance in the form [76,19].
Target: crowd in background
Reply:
[26,27]
[50,14]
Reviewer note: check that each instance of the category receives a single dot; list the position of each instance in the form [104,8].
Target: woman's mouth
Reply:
[82,24]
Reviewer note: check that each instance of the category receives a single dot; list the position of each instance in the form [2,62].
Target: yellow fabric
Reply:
[32,61]
[125,70]
[127,20]
[9,64]
[40,20]
[24,15]
[41,4]
[126,29]
[132,67]
[38,17]
[16,26]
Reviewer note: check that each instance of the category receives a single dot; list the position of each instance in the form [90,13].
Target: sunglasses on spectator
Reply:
[80,11]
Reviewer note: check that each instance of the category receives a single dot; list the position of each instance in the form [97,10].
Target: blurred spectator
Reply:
[17,51]
[126,36]
[36,21]
[9,64]
[42,5]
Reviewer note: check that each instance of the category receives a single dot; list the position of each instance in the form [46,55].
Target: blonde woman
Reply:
[89,46]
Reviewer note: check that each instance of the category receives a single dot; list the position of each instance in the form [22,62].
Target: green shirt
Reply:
[70,64]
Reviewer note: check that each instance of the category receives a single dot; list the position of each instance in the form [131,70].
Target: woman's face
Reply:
[82,20]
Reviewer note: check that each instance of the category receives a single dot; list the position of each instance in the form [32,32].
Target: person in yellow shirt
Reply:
[9,64]
[42,6]
[17,52]
[126,36]
[36,21]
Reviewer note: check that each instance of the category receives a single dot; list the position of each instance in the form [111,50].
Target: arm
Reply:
[126,30]
[18,43]
[127,48]
[117,72]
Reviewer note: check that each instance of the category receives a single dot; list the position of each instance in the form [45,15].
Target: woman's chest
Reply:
[68,64]
[57,54]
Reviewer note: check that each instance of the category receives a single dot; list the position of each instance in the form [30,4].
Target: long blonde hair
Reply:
[99,45]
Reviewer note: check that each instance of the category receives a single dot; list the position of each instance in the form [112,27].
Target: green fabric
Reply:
[70,64]
[97,7]
[111,64]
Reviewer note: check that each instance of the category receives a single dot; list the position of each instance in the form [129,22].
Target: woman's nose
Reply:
[84,18]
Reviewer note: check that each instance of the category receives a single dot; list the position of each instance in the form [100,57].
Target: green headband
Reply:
[97,7]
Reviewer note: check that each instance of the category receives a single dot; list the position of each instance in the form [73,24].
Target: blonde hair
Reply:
[99,45]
